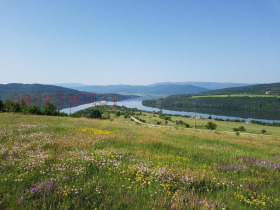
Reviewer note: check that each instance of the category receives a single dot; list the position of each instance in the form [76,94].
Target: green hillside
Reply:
[6,91]
[259,89]
[255,101]
[78,163]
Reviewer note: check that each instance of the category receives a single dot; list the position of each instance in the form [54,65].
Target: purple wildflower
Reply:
[277,157]
[232,167]
[43,187]
[260,163]
[127,133]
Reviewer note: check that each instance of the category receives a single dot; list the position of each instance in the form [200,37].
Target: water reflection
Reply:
[137,103]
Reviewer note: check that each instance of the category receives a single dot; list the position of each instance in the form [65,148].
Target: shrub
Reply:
[16,107]
[180,122]
[31,109]
[211,126]
[263,131]
[49,109]
[96,114]
[126,115]
[7,106]
[1,106]
[241,129]
[118,113]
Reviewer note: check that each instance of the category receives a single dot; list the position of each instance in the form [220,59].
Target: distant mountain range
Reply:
[206,85]
[123,91]
[69,85]
[209,85]
[162,89]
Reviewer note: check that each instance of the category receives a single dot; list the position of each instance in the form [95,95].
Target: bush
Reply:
[49,109]
[96,114]
[31,109]
[263,131]
[165,117]
[211,126]
[180,122]
[16,107]
[7,106]
[1,106]
[241,129]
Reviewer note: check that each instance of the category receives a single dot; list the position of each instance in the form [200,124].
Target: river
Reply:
[137,103]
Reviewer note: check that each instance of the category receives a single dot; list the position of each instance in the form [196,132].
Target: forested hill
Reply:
[6,91]
[245,107]
[257,101]
[17,88]
[259,89]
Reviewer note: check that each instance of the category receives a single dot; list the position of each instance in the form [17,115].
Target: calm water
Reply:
[137,103]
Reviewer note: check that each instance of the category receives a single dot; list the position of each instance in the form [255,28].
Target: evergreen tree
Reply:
[1,106]
[49,109]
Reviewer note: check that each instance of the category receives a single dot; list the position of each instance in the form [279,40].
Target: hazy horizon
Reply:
[83,84]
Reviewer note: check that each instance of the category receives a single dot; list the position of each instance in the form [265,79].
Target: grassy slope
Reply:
[224,126]
[119,164]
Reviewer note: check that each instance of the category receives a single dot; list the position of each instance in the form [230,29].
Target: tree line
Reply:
[22,107]
[235,106]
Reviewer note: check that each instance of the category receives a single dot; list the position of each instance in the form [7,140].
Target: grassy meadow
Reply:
[223,126]
[51,162]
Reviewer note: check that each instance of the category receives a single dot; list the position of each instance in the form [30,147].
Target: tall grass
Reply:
[65,163]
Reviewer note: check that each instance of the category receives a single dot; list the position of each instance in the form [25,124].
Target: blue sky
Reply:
[139,42]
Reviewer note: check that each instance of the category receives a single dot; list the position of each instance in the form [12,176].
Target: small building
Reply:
[267,92]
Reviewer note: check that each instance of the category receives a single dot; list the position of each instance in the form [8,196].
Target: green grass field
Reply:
[223,126]
[76,163]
